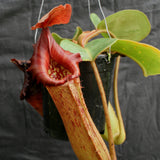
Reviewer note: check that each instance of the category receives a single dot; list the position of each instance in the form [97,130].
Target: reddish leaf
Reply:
[58,15]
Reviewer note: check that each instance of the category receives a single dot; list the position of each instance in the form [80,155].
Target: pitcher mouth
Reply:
[52,65]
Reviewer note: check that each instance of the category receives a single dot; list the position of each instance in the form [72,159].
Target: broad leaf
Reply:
[91,50]
[75,48]
[95,19]
[97,46]
[147,56]
[127,24]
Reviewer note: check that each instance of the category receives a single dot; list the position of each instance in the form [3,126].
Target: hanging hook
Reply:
[109,51]
[39,16]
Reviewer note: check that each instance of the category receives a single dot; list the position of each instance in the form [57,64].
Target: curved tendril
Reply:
[105,106]
[122,135]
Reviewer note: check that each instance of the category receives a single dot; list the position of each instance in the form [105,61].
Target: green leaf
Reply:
[147,56]
[91,50]
[95,19]
[97,46]
[57,37]
[75,48]
[118,132]
[77,33]
[114,124]
[127,24]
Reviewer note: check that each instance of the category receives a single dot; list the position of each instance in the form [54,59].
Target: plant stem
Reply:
[105,106]
[122,135]
[83,39]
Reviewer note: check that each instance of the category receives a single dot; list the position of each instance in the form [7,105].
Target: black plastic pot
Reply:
[52,119]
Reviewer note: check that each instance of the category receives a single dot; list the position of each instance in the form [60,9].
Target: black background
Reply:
[22,135]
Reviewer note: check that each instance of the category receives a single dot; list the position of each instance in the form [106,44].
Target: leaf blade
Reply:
[91,49]
[127,24]
[97,46]
[57,37]
[114,124]
[95,19]
[77,33]
[147,56]
[75,48]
